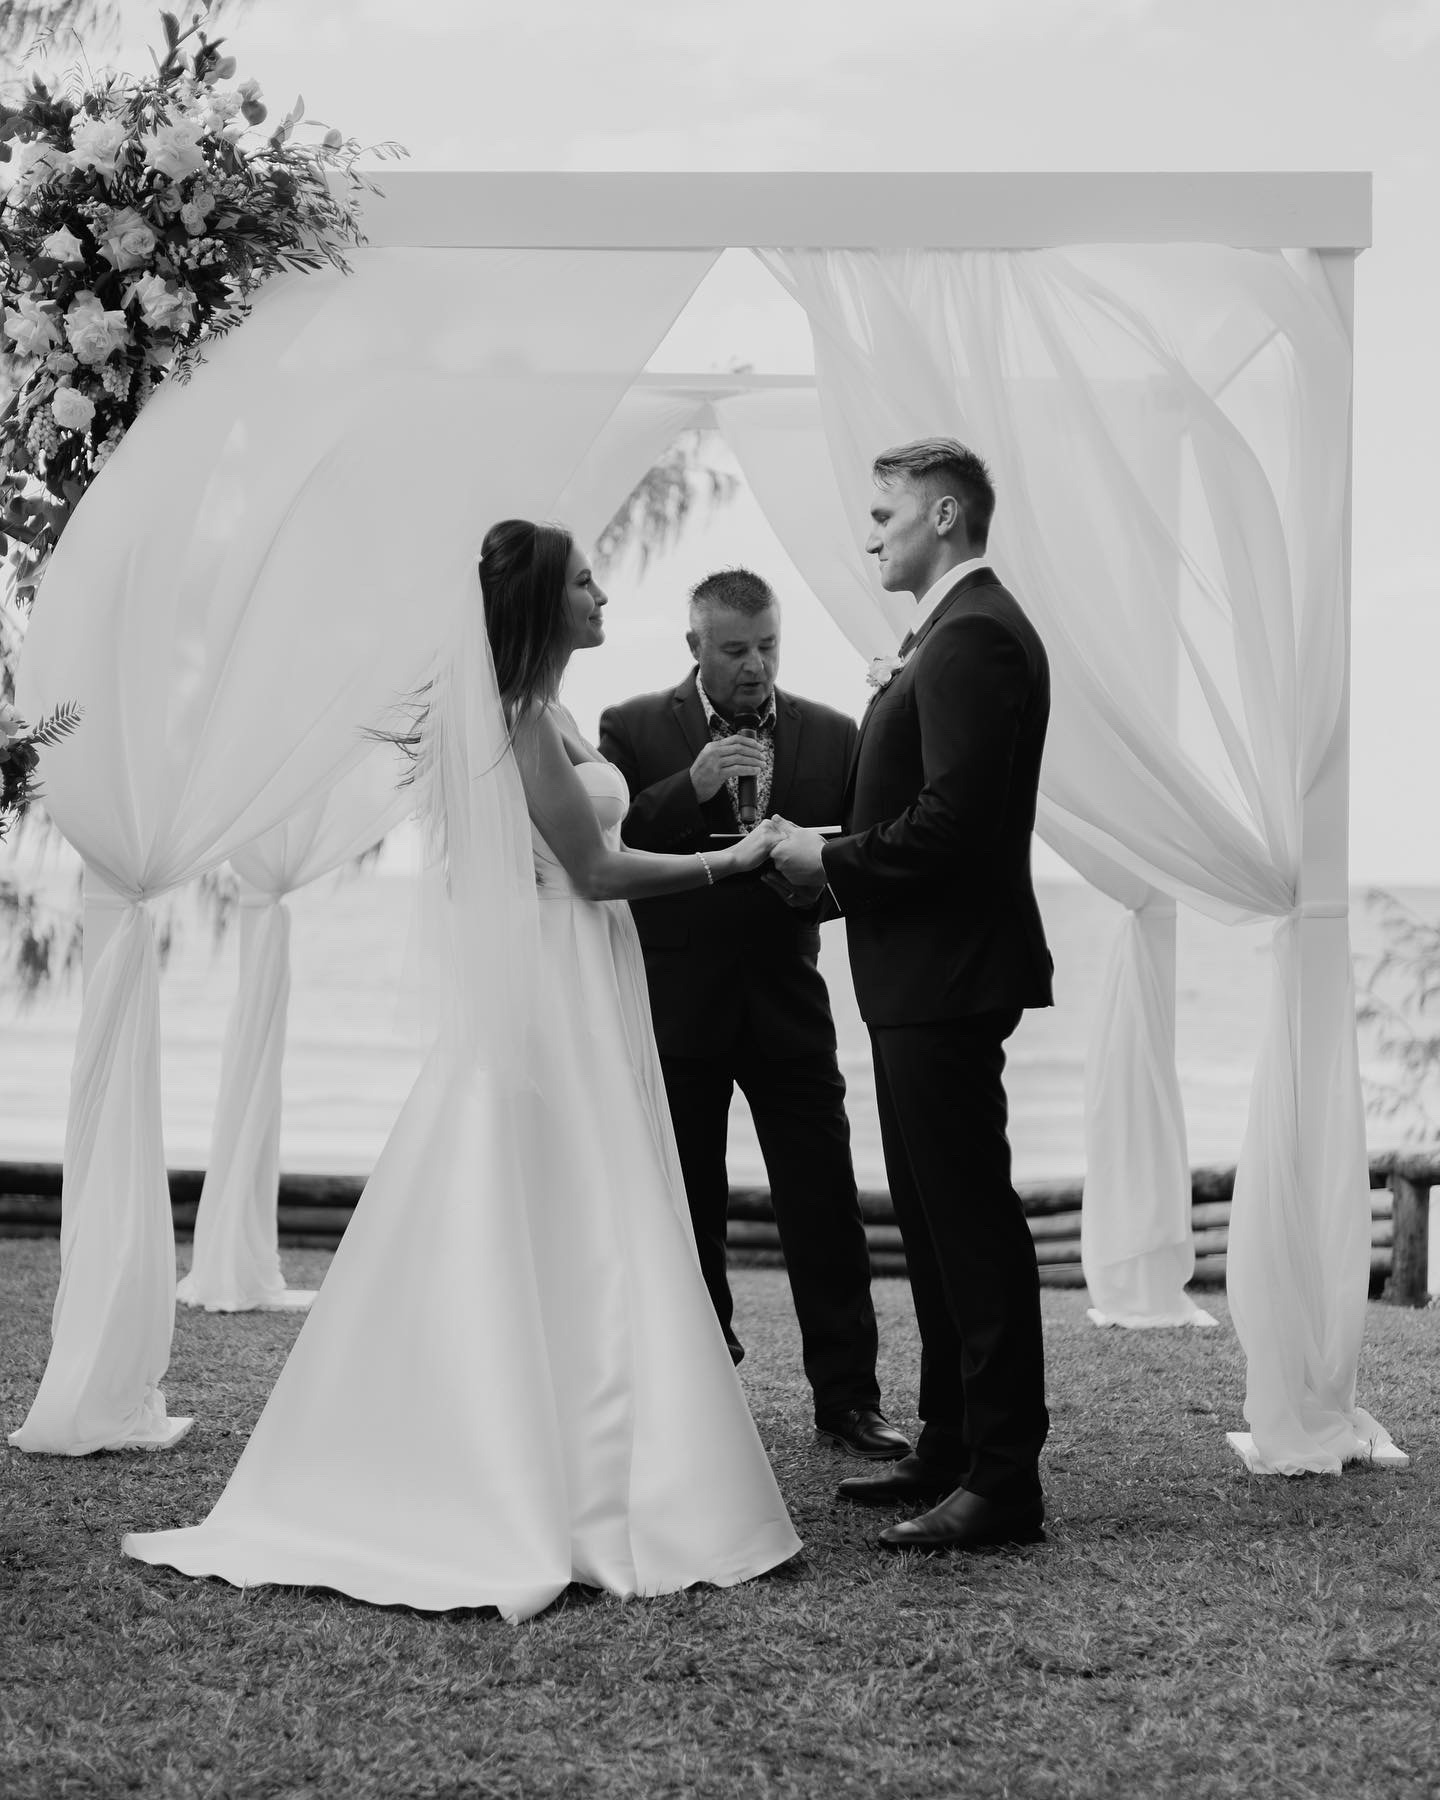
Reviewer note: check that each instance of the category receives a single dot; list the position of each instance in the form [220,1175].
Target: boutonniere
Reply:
[883,670]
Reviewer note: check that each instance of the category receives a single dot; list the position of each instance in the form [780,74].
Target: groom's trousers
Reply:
[968,1250]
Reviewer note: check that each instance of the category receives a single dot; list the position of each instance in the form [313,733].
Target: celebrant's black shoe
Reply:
[863,1432]
[908,1479]
[966,1521]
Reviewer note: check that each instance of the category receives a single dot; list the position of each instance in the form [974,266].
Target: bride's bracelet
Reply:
[705,865]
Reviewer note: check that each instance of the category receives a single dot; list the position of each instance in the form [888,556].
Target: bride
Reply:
[512,1377]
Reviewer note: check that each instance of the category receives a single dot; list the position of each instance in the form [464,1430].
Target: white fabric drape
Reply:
[778,439]
[635,436]
[236,1265]
[1135,1220]
[1136,1240]
[1047,361]
[266,564]
[1136,1243]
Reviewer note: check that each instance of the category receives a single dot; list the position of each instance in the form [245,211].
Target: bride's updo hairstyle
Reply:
[522,583]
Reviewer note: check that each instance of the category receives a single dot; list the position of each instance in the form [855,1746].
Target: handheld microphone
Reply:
[747,725]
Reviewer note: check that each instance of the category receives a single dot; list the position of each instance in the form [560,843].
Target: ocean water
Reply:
[351,1056]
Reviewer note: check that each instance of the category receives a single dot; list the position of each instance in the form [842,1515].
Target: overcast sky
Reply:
[982,85]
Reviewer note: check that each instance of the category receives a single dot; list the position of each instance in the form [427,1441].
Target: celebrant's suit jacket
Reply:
[933,872]
[730,960]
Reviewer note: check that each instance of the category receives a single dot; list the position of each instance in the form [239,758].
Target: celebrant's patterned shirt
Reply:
[764,736]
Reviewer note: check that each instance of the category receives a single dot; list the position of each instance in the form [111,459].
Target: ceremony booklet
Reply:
[733,837]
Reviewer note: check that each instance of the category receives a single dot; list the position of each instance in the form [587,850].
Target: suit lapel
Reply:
[718,812]
[984,577]
[689,715]
[787,750]
[855,753]
[976,578]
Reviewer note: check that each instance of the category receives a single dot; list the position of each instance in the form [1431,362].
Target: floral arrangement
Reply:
[20,752]
[140,216]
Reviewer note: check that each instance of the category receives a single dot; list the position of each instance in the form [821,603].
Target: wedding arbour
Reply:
[1157,367]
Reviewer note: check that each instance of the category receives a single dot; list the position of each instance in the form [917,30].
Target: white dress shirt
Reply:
[932,596]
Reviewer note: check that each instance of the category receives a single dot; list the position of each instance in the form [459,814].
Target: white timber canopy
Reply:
[1157,368]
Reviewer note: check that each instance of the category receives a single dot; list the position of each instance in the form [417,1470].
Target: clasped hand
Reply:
[797,874]
[757,844]
[797,855]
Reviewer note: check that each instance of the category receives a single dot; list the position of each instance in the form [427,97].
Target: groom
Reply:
[946,947]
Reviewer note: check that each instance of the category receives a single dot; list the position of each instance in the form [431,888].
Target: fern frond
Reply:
[59,724]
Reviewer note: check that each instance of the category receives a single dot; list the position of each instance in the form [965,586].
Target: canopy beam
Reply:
[866,210]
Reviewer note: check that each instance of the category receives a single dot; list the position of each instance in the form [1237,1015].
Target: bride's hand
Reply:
[755,847]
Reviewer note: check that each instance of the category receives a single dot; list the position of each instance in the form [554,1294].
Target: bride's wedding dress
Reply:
[512,1377]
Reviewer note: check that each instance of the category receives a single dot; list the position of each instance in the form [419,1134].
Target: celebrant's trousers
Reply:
[798,1105]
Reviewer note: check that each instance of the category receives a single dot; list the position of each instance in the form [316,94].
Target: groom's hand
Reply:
[797,857]
[799,898]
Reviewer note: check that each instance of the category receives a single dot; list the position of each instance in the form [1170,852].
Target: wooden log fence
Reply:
[315,1209]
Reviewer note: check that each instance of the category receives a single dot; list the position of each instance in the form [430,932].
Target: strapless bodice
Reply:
[610,797]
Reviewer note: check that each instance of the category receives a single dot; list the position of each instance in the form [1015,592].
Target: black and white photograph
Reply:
[719,899]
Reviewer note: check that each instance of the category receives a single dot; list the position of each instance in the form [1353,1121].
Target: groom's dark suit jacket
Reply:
[933,874]
[733,957]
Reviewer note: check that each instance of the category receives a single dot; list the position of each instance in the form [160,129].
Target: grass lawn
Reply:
[1187,1630]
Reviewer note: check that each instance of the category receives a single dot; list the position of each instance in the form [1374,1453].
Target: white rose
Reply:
[93,332]
[129,240]
[169,199]
[31,329]
[883,670]
[174,150]
[63,246]
[35,162]
[97,144]
[73,411]
[163,308]
[221,109]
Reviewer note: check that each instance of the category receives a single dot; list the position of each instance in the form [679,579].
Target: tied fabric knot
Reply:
[254,899]
[109,899]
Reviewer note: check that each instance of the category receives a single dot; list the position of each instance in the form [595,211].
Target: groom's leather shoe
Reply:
[966,1521]
[863,1432]
[908,1479]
